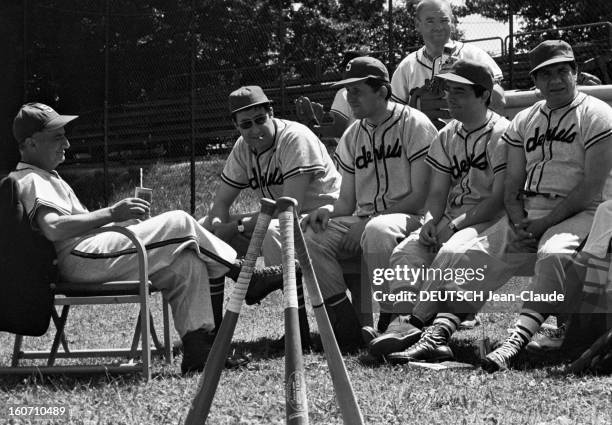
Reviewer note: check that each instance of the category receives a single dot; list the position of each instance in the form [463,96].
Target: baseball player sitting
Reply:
[176,244]
[559,162]
[415,74]
[384,181]
[275,158]
[468,161]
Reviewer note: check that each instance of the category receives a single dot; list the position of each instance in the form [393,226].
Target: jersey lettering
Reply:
[275,178]
[460,167]
[366,157]
[552,135]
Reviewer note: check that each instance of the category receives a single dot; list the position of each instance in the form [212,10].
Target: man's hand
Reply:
[130,208]
[526,235]
[428,234]
[225,231]
[351,242]
[317,220]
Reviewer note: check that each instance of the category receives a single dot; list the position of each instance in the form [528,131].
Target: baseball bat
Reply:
[296,406]
[207,385]
[351,414]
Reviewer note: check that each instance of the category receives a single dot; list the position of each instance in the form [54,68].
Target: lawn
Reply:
[538,391]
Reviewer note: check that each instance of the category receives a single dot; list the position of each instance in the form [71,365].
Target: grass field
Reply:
[538,391]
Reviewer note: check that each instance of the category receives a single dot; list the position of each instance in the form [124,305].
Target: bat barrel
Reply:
[209,380]
[296,405]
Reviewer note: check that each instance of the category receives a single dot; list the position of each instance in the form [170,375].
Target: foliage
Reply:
[546,15]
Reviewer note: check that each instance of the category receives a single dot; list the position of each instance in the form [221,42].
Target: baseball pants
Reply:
[380,236]
[176,264]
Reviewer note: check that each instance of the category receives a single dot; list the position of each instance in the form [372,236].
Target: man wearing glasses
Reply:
[274,157]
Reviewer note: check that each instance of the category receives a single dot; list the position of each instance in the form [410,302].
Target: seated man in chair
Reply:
[177,246]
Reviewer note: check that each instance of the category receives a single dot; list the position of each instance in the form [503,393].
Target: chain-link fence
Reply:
[150,80]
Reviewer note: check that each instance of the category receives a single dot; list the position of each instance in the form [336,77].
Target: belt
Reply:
[530,194]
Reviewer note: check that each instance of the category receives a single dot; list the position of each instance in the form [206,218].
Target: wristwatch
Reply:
[240,226]
[453,227]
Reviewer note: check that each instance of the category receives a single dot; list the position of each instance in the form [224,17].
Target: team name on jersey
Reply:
[552,135]
[460,167]
[382,152]
[266,180]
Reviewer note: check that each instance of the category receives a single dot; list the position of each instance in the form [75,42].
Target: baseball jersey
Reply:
[472,159]
[39,188]
[296,150]
[419,68]
[379,158]
[555,142]
[340,106]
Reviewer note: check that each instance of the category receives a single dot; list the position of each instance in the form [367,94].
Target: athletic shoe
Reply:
[399,335]
[263,281]
[502,356]
[547,339]
[431,347]
[597,358]
[368,333]
[196,347]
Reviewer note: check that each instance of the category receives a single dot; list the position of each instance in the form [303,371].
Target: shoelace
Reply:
[509,348]
[432,337]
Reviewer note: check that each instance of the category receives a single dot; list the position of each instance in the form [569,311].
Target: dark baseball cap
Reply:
[550,52]
[467,71]
[362,68]
[35,117]
[246,97]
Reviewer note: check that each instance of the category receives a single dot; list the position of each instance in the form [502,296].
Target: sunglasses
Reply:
[245,125]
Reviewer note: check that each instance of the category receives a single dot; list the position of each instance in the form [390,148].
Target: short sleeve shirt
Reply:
[471,158]
[379,158]
[296,150]
[39,188]
[418,69]
[555,142]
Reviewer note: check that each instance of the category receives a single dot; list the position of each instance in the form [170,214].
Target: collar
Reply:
[575,101]
[451,43]
[21,165]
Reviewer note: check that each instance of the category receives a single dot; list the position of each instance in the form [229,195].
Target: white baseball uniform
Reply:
[296,150]
[378,160]
[419,68]
[172,241]
[472,160]
[555,142]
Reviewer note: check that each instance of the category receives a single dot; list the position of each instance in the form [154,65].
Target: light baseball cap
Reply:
[362,68]
[550,52]
[246,97]
[467,71]
[35,117]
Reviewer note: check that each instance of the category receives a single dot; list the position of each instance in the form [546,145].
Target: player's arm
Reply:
[597,165]
[437,196]
[296,186]
[419,180]
[498,99]
[224,198]
[487,209]
[57,227]
[344,205]
[513,183]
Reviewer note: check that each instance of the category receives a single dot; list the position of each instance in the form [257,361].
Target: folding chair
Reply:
[66,294]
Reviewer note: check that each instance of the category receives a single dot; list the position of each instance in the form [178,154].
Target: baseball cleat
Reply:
[431,347]
[597,358]
[399,336]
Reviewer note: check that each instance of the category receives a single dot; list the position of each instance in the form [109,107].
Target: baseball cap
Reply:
[362,68]
[549,52]
[246,97]
[467,71]
[34,117]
